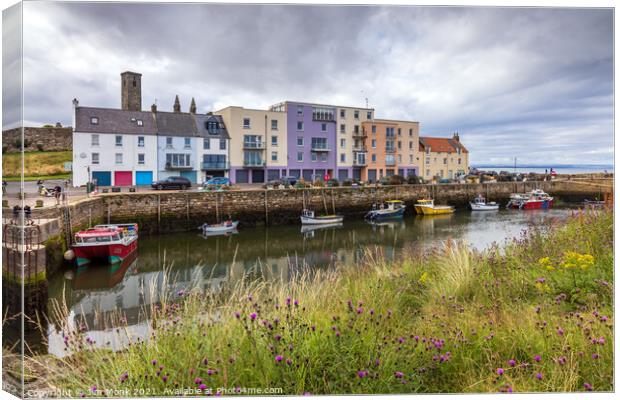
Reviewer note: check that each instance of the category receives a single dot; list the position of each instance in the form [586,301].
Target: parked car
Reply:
[173,182]
[218,180]
[289,180]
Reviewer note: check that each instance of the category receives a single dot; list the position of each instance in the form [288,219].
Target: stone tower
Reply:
[177,105]
[131,91]
[192,106]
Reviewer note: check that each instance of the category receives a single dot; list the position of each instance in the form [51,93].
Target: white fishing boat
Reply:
[308,218]
[389,210]
[480,204]
[223,227]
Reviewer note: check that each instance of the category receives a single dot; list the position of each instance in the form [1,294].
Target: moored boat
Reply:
[428,207]
[480,204]
[223,227]
[388,210]
[308,218]
[536,199]
[113,243]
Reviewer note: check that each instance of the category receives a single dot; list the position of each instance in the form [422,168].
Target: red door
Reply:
[122,178]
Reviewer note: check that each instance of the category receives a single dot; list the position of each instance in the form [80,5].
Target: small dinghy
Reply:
[223,227]
[388,210]
[308,218]
[480,204]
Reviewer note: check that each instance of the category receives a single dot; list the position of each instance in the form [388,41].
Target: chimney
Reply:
[192,107]
[177,104]
[75,103]
[455,136]
[153,108]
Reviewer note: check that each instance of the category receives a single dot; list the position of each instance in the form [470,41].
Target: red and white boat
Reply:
[113,243]
[536,199]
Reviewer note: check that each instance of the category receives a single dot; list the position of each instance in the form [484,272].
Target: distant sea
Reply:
[560,169]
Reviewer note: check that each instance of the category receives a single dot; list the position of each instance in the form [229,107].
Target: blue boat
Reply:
[391,209]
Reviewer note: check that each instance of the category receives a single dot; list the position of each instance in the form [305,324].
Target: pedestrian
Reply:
[57,192]
[4,186]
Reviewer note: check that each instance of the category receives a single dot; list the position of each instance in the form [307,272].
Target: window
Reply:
[343,157]
[323,127]
[342,128]
[246,123]
[169,142]
[94,121]
[428,150]
[139,122]
[342,113]
[253,141]
[373,157]
[118,158]
[389,131]
[274,124]
[399,145]
[141,158]
[140,141]
[319,143]
[94,157]
[213,127]
[459,161]
[368,114]
[300,141]
[300,156]
[274,140]
[410,158]
[428,172]
[300,125]
[356,114]
[119,141]
[398,131]
[356,129]
[94,140]
[314,157]
[445,160]
[428,160]
[373,143]
[410,145]
[300,111]
[374,129]
[458,150]
[206,144]
[400,158]
[343,143]
[323,157]
[222,144]
[410,132]
[178,160]
[274,156]
[187,143]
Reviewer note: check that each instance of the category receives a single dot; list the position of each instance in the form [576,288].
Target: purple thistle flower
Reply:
[401,340]
[399,374]
[416,337]
[237,314]
[205,361]
[500,371]
[253,316]
[360,310]
[288,301]
[279,358]
[93,388]
[601,340]
[512,362]
[277,337]
[198,381]
[202,386]
[372,311]
[604,318]
[377,361]
[153,362]
[313,327]
[587,386]
[289,361]
[560,331]
[537,358]
[164,378]
[296,302]
[595,356]
[362,373]
[210,372]
[539,376]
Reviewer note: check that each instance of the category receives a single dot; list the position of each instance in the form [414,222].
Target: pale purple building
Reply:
[311,139]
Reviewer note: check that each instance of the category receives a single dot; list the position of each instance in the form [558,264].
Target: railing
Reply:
[390,150]
[390,163]
[359,162]
[171,167]
[360,149]
[318,147]
[254,163]
[254,145]
[215,165]
[360,135]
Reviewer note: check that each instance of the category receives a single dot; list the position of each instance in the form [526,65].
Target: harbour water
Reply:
[540,169]
[94,293]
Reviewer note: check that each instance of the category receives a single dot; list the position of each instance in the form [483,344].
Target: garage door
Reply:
[343,174]
[191,175]
[122,178]
[372,175]
[258,176]
[144,177]
[241,176]
[102,178]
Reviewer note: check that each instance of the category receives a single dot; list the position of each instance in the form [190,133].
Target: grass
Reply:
[535,315]
[37,165]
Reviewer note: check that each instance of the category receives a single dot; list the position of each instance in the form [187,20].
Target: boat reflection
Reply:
[309,230]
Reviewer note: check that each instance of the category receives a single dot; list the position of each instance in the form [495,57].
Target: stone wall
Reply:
[38,139]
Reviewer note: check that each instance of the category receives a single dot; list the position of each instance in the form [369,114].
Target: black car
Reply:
[288,180]
[173,182]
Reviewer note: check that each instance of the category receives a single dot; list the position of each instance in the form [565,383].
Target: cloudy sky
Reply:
[532,83]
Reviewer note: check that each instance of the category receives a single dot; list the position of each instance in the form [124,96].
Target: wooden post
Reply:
[108,214]
[217,208]
[186,211]
[266,210]
[333,202]
[158,212]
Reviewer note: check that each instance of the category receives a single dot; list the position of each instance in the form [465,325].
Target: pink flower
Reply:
[279,358]
[512,362]
[537,358]
[500,371]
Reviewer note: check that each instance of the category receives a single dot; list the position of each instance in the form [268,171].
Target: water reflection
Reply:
[95,293]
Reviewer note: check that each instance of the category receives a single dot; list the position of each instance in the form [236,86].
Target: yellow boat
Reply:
[428,207]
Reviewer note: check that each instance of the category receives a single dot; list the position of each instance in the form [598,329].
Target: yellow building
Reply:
[443,157]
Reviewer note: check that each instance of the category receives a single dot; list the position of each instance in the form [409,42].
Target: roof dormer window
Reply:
[139,122]
[94,120]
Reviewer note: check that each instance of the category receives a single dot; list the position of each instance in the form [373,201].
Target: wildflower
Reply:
[180,293]
[205,361]
[296,303]
[288,301]
[562,360]
[237,314]
[604,318]
[537,309]
[279,358]
[512,362]
[416,337]
[93,389]
[540,280]
[253,316]
[202,386]
[560,331]
[601,340]
[423,278]
[313,327]
[277,337]
[362,373]
[289,361]
[360,310]
[595,356]
[372,311]
[210,372]
[399,374]
[587,386]
[153,362]
[124,377]
[500,371]
[197,381]
[164,378]
[377,362]
[539,376]
[537,358]
[401,340]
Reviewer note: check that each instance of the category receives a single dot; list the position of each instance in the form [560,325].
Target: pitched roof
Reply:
[110,120]
[176,124]
[444,145]
[201,126]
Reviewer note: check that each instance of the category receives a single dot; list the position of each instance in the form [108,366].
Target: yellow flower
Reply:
[544,261]
[423,278]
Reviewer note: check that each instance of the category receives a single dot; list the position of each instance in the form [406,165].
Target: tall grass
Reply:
[452,320]
[36,163]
